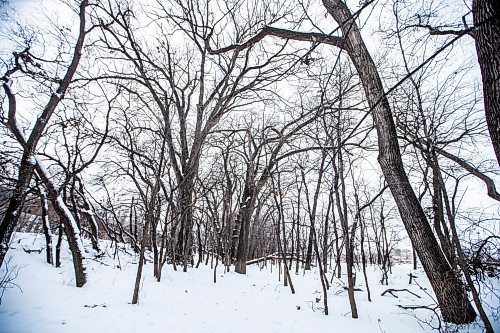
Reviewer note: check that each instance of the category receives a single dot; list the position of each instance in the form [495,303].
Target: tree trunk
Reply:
[186,203]
[340,196]
[11,216]
[46,225]
[449,290]
[486,15]
[137,286]
[74,239]
[27,165]
[59,244]
[70,226]
[307,266]
[242,250]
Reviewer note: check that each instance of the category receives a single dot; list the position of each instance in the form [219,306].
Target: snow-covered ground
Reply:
[191,302]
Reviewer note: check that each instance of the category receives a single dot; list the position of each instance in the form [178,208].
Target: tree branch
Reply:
[314,37]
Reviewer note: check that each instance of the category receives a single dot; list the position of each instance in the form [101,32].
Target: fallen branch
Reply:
[95,305]
[274,256]
[34,250]
[416,307]
[392,291]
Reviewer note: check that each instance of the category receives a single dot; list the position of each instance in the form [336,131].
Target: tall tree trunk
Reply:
[11,216]
[26,168]
[46,225]
[70,226]
[307,265]
[287,280]
[325,233]
[449,290]
[185,236]
[451,213]
[340,195]
[438,216]
[486,14]
[144,241]
[243,220]
[297,253]
[242,250]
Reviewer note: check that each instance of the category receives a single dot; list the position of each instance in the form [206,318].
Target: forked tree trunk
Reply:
[450,292]
[69,223]
[26,168]
[74,239]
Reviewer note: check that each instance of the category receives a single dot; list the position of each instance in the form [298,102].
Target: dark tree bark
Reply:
[307,265]
[71,228]
[242,223]
[341,203]
[280,224]
[450,292]
[59,244]
[329,210]
[486,15]
[29,145]
[137,285]
[297,253]
[46,225]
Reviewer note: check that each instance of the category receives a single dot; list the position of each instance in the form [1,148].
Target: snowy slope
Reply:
[191,302]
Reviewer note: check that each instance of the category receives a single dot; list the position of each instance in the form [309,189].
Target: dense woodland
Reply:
[313,132]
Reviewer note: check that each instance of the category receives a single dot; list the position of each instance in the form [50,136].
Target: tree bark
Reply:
[449,290]
[15,207]
[70,226]
[46,225]
[26,168]
[486,14]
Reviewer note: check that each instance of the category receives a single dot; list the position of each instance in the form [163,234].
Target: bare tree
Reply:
[449,290]
[27,63]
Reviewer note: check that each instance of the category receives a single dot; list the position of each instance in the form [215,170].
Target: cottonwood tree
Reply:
[71,144]
[189,87]
[29,64]
[275,143]
[435,122]
[449,290]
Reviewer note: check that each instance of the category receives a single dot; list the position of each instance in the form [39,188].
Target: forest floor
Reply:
[46,300]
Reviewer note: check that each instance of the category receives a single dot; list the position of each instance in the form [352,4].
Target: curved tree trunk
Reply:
[29,144]
[487,29]
[69,223]
[449,290]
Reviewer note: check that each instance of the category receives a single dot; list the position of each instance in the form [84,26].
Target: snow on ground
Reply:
[191,302]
